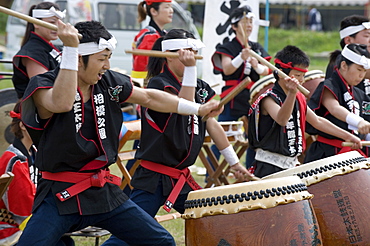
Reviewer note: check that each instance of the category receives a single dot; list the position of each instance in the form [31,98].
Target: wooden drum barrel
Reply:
[268,212]
[340,185]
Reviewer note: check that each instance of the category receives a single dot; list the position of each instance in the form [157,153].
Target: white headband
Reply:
[356,58]
[45,13]
[176,44]
[236,19]
[353,29]
[92,47]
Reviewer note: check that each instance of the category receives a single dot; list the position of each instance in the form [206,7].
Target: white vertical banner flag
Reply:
[217,30]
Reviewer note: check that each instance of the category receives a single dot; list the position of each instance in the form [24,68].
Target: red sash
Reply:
[182,176]
[82,181]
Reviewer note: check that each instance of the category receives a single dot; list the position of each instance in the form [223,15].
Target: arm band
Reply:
[230,155]
[190,77]
[353,119]
[237,61]
[186,107]
[260,68]
[69,58]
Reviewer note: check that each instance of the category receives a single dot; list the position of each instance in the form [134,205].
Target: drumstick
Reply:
[349,144]
[166,217]
[231,95]
[267,63]
[31,19]
[272,67]
[156,53]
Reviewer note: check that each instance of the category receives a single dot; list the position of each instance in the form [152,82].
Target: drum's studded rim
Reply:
[329,167]
[320,172]
[280,194]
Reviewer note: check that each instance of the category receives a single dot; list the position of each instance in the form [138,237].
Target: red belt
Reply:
[338,144]
[233,84]
[82,181]
[183,176]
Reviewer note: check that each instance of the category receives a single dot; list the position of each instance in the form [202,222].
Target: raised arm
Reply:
[61,97]
[282,114]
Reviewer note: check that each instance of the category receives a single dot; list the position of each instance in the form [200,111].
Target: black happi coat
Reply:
[78,141]
[265,133]
[240,104]
[38,50]
[352,98]
[169,138]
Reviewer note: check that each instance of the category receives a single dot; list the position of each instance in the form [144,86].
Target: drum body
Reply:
[271,212]
[340,185]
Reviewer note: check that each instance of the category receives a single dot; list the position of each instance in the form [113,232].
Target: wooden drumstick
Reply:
[349,144]
[167,217]
[267,63]
[31,19]
[231,95]
[156,53]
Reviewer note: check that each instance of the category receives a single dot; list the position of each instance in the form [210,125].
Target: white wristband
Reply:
[69,58]
[260,68]
[186,107]
[230,155]
[190,77]
[353,119]
[237,61]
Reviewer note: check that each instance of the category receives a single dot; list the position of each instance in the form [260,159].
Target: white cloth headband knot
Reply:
[353,29]
[236,19]
[45,13]
[356,58]
[176,44]
[92,47]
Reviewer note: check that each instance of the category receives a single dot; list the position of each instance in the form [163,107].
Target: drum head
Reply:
[8,98]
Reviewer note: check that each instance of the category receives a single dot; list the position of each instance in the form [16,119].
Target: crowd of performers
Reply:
[68,120]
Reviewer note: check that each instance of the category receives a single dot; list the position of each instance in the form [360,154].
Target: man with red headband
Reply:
[277,118]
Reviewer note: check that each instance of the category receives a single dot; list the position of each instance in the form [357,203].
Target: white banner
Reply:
[216,30]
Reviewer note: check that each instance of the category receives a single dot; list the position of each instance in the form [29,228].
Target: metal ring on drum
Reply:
[341,186]
[8,99]
[269,212]
[232,129]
